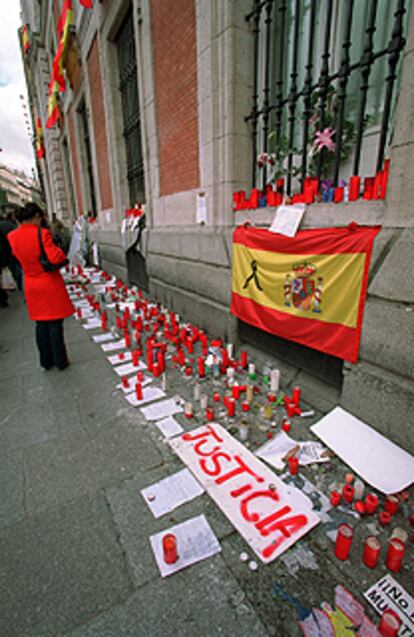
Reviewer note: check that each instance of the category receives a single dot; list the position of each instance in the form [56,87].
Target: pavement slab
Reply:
[12,487]
[76,464]
[204,599]
[59,569]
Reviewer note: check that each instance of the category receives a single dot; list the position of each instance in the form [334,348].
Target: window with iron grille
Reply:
[90,184]
[128,86]
[325,82]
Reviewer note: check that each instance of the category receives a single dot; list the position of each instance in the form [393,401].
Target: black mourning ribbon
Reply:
[254,276]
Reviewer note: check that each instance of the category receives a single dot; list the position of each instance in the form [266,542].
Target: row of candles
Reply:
[373,188]
[184,338]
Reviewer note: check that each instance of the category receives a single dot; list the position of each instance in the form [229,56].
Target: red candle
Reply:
[210,413]
[118,322]
[135,358]
[79,312]
[371,503]
[125,382]
[201,367]
[391,504]
[296,396]
[348,493]
[286,426]
[338,194]
[245,405]
[371,552]
[395,554]
[161,361]
[121,356]
[181,358]
[344,541]
[384,518]
[224,358]
[169,545]
[354,187]
[390,624]
[138,391]
[293,465]
[127,340]
[236,391]
[243,360]
[216,397]
[335,498]
[140,376]
[156,370]
[231,407]
[290,409]
[190,345]
[188,370]
[368,187]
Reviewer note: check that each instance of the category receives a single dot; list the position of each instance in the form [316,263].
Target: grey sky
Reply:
[15,140]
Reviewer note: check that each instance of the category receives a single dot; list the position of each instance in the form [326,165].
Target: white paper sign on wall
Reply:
[270,515]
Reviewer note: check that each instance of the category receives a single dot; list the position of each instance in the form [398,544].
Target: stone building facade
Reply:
[194,80]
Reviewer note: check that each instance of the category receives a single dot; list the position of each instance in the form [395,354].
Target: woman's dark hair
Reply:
[29,211]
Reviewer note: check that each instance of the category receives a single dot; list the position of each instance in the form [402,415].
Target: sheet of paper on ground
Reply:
[270,515]
[148,394]
[167,494]
[378,461]
[195,542]
[162,409]
[277,450]
[129,368]
[388,593]
[169,427]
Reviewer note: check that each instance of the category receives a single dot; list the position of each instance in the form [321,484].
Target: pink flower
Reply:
[323,139]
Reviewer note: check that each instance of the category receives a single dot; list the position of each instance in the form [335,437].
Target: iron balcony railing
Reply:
[287,100]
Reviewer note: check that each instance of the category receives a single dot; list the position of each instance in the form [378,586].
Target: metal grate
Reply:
[128,86]
[304,64]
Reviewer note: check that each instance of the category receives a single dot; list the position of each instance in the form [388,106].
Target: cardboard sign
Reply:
[388,593]
[270,515]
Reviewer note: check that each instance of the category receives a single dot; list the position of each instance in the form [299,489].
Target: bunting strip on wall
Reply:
[40,149]
[25,39]
[58,82]
[309,289]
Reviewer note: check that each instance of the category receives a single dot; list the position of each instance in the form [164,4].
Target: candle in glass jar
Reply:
[371,503]
[391,504]
[348,493]
[344,541]
[274,380]
[188,410]
[372,548]
[169,545]
[395,554]
[390,624]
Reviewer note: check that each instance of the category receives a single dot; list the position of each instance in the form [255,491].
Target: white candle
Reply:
[230,347]
[197,392]
[252,368]
[274,380]
[203,402]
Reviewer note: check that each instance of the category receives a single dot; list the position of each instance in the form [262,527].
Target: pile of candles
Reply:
[373,188]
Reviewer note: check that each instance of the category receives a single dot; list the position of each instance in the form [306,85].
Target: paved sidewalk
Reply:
[74,550]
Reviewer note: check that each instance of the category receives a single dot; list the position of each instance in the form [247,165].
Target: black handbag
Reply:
[44,261]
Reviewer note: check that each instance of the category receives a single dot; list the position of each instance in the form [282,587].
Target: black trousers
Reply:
[51,344]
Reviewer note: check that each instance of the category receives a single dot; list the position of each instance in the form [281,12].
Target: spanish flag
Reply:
[26,40]
[40,149]
[309,289]
[63,29]
[53,110]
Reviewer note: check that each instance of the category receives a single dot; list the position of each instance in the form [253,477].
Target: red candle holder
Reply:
[372,548]
[348,493]
[210,414]
[243,360]
[138,391]
[296,392]
[344,541]
[286,426]
[384,518]
[335,498]
[391,504]
[293,465]
[354,187]
[216,397]
[231,407]
[390,624]
[290,409]
[395,554]
[169,545]
[371,503]
[125,382]
[245,405]
[201,367]
[121,356]
[338,194]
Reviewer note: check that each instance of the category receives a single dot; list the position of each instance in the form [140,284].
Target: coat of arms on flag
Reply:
[309,289]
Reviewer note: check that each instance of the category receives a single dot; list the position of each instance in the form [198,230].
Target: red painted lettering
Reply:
[254,517]
[242,468]
[208,431]
[215,470]
[236,493]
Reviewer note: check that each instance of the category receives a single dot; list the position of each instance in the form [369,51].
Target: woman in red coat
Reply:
[47,300]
